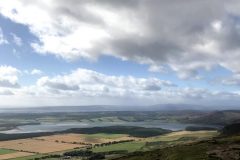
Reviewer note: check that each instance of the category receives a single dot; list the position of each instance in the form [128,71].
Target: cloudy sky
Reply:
[128,52]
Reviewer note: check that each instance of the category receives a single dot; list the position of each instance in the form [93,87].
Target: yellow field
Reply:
[82,138]
[63,142]
[65,138]
[36,146]
[56,143]
[180,134]
[15,155]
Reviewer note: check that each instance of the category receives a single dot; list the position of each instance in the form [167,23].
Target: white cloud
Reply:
[157,33]
[157,68]
[217,25]
[17,40]
[92,83]
[153,32]
[6,92]
[16,53]
[9,77]
[85,84]
[233,80]
[2,38]
[36,72]
[87,87]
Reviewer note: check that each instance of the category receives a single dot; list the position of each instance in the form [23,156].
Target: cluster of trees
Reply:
[132,131]
[114,142]
[78,153]
[149,144]
[97,156]
[116,152]
[48,157]
[199,128]
[85,153]
[231,129]
[81,143]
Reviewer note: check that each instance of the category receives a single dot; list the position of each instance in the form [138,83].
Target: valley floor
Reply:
[111,145]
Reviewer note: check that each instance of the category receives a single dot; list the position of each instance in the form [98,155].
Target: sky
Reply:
[128,52]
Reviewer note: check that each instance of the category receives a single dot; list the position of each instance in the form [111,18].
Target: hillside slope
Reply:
[218,118]
[231,129]
[224,147]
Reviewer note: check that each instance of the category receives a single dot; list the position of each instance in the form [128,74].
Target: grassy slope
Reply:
[168,139]
[163,140]
[196,152]
[224,148]
[177,135]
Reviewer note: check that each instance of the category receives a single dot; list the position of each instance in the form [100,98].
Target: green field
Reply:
[6,151]
[128,146]
[216,149]
[158,141]
[177,139]
[221,147]
[29,157]
[147,144]
[193,152]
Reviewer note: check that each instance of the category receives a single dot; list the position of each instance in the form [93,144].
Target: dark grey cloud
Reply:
[61,86]
[232,81]
[8,84]
[152,87]
[6,93]
[176,34]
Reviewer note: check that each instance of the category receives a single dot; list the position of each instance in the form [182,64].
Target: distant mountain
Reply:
[173,107]
[96,108]
[46,109]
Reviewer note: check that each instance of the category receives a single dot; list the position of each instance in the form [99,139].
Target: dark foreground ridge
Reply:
[231,129]
[226,146]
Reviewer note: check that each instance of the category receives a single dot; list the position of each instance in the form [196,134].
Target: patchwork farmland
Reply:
[47,145]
